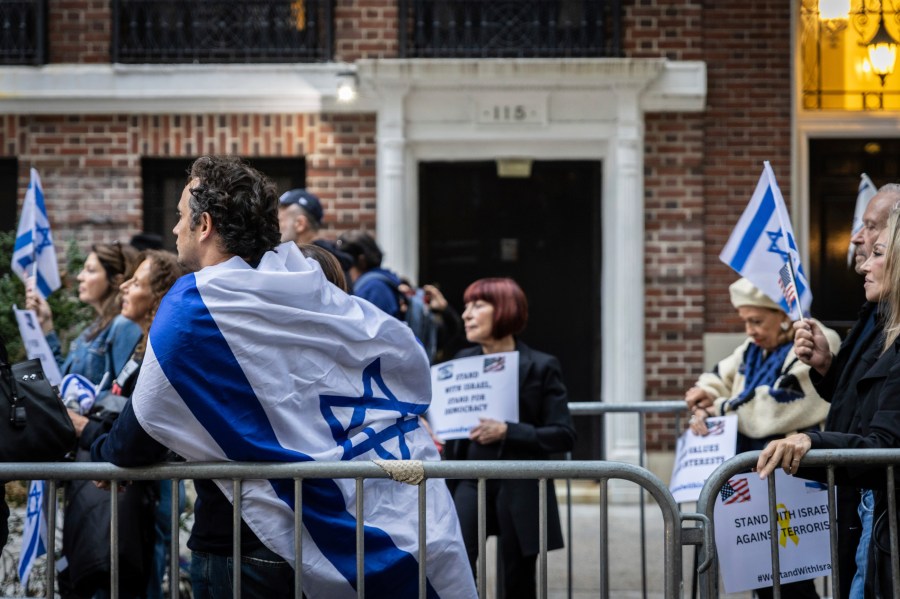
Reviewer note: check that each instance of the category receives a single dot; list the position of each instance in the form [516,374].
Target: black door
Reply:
[835,168]
[165,178]
[544,232]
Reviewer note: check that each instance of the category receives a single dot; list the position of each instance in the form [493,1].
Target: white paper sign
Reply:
[742,531]
[36,344]
[467,389]
[696,457]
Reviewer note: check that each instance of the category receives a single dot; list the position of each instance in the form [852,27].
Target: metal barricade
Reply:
[540,471]
[598,408]
[828,459]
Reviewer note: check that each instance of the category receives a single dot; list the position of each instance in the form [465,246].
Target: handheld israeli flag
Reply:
[275,364]
[34,537]
[33,252]
[864,195]
[762,248]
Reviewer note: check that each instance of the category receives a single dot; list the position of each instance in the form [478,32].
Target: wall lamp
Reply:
[347,87]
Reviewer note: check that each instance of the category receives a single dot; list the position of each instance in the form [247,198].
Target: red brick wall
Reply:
[365,29]
[79,30]
[700,170]
[90,165]
[748,57]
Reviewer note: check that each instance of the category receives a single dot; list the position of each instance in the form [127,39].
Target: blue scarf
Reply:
[759,368]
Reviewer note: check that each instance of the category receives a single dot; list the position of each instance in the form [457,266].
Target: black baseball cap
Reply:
[305,200]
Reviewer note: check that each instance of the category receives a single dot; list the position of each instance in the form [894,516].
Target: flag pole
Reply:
[787,240]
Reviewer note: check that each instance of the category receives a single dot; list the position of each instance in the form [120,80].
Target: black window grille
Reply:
[510,28]
[22,32]
[222,31]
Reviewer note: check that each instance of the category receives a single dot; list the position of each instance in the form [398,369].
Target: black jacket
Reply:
[859,351]
[874,423]
[544,428]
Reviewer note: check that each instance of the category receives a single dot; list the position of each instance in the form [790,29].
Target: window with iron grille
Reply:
[22,32]
[510,28]
[222,31]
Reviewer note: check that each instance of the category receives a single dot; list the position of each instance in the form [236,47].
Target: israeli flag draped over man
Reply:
[273,363]
[763,249]
[33,252]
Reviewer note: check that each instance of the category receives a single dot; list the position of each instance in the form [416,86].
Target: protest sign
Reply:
[467,389]
[36,344]
[696,457]
[742,531]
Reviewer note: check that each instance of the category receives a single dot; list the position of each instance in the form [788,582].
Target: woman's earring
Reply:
[785,326]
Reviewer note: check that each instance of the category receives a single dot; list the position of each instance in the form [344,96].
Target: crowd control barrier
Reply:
[595,409]
[540,471]
[827,459]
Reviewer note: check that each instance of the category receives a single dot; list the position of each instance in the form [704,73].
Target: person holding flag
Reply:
[873,423]
[763,382]
[256,357]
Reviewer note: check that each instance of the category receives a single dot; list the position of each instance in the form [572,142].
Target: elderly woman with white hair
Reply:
[764,383]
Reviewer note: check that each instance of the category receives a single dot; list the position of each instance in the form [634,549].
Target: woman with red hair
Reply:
[497,311]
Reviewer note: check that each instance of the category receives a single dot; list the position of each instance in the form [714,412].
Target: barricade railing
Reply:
[540,471]
[676,408]
[827,459]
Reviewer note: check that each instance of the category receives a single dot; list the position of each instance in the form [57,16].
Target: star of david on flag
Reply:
[34,253]
[34,537]
[763,249]
[272,363]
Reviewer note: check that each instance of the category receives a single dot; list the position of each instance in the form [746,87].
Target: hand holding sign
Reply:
[475,397]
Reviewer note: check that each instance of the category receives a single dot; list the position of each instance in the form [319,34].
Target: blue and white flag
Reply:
[763,243]
[864,195]
[275,364]
[34,537]
[33,252]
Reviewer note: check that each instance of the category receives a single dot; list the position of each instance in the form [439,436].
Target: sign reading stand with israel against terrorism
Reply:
[763,249]
[299,371]
[743,532]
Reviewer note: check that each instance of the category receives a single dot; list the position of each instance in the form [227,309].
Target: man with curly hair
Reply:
[254,358]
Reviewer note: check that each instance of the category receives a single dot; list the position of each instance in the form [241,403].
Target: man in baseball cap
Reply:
[300,217]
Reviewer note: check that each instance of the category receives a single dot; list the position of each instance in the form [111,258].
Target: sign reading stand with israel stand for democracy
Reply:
[762,248]
[466,389]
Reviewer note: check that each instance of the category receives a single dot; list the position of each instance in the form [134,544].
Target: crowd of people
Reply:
[231,224]
[794,389]
[169,363]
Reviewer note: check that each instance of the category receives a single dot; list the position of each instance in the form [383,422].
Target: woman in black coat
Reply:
[496,310]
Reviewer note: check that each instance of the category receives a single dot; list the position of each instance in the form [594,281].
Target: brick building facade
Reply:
[698,147]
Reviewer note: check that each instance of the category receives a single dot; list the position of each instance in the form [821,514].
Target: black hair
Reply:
[362,247]
[241,202]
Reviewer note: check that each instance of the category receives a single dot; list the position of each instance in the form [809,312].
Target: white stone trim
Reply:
[589,109]
[171,89]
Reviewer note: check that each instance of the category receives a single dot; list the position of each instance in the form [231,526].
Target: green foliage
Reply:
[70,316]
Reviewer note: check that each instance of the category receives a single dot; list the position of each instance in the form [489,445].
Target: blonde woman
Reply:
[877,420]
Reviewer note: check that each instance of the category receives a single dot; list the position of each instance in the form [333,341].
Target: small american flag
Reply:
[786,282]
[736,490]
[716,428]
[495,364]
